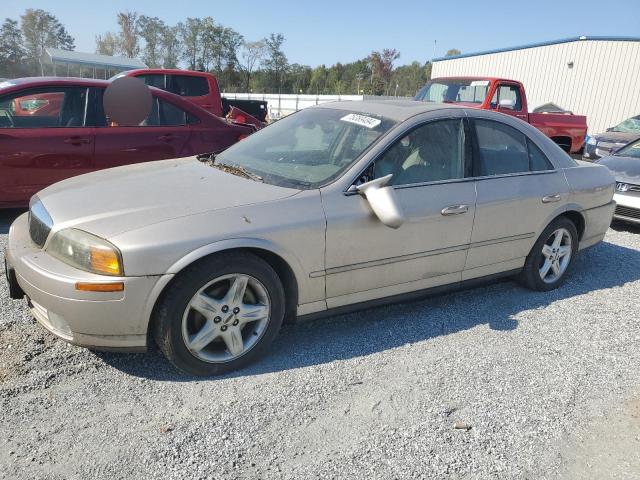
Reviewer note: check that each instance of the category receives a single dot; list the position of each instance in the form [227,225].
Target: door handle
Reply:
[551,198]
[77,141]
[166,138]
[455,210]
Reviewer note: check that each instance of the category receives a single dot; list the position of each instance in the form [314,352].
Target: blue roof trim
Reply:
[540,44]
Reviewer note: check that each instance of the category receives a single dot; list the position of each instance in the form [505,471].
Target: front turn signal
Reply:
[100,287]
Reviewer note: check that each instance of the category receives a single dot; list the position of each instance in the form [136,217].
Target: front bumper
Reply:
[628,208]
[101,320]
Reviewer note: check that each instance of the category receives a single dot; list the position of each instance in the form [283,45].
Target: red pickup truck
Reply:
[202,89]
[507,96]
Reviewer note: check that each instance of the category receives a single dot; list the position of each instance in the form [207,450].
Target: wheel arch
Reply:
[563,142]
[573,213]
[287,267]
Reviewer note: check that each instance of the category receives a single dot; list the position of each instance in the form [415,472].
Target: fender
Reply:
[221,246]
[234,243]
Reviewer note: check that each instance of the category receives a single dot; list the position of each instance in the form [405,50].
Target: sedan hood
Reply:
[616,137]
[114,201]
[625,169]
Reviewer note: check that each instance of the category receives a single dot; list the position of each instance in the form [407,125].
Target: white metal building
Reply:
[92,64]
[594,76]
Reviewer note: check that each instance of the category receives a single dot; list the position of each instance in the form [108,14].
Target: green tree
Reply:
[276,61]
[410,78]
[171,47]
[12,51]
[382,70]
[41,30]
[152,31]
[190,35]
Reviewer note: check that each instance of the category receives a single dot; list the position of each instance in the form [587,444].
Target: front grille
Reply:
[627,212]
[40,223]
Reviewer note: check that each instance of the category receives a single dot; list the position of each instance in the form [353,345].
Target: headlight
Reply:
[592,141]
[86,252]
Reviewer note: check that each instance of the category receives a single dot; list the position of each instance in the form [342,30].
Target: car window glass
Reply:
[309,148]
[187,86]
[503,150]
[46,108]
[509,97]
[162,113]
[432,152]
[153,80]
[538,161]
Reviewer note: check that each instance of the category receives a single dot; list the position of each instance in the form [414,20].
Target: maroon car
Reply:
[55,128]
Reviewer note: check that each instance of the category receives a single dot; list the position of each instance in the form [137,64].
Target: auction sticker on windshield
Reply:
[362,120]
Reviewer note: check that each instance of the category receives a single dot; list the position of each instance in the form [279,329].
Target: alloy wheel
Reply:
[556,256]
[226,318]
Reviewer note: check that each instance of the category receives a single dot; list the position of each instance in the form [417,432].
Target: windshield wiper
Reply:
[237,169]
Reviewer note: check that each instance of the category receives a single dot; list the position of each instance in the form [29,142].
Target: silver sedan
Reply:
[336,207]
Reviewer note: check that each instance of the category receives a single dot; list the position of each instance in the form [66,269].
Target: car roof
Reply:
[398,110]
[40,81]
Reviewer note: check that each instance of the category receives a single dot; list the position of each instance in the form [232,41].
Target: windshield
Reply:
[455,90]
[631,150]
[630,125]
[307,149]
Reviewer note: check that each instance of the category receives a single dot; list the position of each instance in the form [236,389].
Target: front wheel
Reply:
[551,257]
[220,314]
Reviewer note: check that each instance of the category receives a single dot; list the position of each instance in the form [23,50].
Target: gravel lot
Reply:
[547,384]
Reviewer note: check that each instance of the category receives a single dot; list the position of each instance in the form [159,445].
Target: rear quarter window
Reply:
[187,86]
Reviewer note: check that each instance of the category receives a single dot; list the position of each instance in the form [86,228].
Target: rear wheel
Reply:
[551,257]
[220,315]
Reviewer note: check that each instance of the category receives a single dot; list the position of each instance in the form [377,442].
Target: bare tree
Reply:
[128,41]
[107,44]
[253,53]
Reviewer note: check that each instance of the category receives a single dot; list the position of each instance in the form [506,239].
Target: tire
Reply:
[535,265]
[206,307]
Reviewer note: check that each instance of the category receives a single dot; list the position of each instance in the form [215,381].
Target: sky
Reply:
[330,31]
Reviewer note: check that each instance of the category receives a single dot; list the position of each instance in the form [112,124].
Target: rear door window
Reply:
[187,86]
[162,113]
[503,150]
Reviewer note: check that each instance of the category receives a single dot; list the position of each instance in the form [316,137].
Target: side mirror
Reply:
[507,104]
[383,201]
[610,129]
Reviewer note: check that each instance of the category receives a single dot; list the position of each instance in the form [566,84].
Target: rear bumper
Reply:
[597,221]
[111,320]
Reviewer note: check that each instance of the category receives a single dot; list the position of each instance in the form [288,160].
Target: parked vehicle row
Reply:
[336,207]
[56,128]
[508,97]
[625,166]
[613,139]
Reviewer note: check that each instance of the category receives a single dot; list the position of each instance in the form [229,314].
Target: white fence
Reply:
[281,105]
